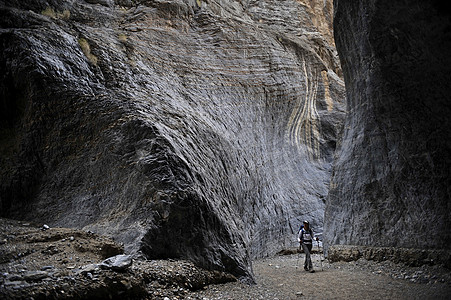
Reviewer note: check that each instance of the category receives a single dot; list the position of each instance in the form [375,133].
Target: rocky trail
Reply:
[278,278]
[38,262]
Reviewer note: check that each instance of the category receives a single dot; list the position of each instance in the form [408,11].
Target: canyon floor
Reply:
[279,278]
[38,262]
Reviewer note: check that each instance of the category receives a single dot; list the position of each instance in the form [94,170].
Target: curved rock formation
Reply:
[392,176]
[184,128]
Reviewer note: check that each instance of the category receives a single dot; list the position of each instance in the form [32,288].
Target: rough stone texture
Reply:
[187,129]
[63,263]
[119,262]
[391,182]
[408,256]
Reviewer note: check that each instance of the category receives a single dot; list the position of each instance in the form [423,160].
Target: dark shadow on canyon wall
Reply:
[391,183]
[198,129]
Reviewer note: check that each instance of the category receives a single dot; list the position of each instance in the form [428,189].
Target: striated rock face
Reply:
[185,129]
[407,256]
[392,175]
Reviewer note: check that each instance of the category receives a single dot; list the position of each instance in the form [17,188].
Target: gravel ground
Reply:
[279,278]
[37,262]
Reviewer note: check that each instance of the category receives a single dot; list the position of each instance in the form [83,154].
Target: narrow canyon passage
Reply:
[208,130]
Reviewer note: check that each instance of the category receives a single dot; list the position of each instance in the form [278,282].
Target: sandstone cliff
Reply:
[198,129]
[392,175]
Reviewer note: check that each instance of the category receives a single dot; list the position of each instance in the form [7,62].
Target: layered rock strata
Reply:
[185,129]
[392,175]
[406,256]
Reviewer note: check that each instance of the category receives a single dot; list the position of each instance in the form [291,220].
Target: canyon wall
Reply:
[391,182]
[192,129]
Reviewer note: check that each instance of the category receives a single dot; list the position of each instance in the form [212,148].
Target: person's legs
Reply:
[308,260]
[310,265]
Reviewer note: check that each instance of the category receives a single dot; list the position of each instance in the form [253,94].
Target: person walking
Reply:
[305,239]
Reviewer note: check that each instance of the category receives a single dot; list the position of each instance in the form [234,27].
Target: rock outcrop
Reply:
[183,128]
[62,263]
[392,175]
[406,256]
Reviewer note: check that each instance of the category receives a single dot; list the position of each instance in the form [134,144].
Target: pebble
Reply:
[35,275]
[91,268]
[13,283]
[119,262]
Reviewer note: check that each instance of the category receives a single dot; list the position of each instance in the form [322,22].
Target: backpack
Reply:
[302,232]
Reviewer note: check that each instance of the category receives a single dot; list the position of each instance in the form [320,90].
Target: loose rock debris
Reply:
[60,263]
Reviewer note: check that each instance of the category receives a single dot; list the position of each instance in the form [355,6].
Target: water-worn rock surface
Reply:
[392,174]
[185,129]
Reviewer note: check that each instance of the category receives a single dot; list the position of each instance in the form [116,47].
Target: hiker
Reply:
[305,239]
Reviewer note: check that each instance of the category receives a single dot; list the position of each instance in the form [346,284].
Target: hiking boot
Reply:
[305,268]
[312,271]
